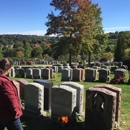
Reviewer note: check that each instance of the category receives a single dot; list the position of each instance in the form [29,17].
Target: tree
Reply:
[1,54]
[19,54]
[10,52]
[127,54]
[18,44]
[77,24]
[27,50]
[123,43]
[37,52]
[119,51]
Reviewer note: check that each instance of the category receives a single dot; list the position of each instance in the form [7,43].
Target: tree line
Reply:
[19,47]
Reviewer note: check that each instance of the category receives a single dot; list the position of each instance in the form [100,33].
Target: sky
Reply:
[28,17]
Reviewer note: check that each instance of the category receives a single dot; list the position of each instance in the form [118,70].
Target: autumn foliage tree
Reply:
[19,54]
[78,22]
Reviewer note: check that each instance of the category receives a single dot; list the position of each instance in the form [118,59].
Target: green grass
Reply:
[44,123]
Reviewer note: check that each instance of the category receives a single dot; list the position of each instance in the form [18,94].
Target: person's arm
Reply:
[10,97]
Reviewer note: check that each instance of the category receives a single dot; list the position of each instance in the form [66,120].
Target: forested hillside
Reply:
[32,46]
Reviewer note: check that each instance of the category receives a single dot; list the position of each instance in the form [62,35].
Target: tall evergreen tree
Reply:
[120,49]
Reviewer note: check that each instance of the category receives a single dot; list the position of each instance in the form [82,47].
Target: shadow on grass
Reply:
[45,123]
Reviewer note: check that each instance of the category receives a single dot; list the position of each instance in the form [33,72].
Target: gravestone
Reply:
[104,75]
[95,67]
[51,73]
[34,99]
[82,74]
[45,73]
[113,68]
[17,86]
[104,66]
[100,109]
[124,67]
[119,72]
[29,73]
[55,68]
[47,85]
[90,75]
[78,74]
[118,92]
[65,74]
[80,95]
[17,72]
[13,72]
[21,73]
[22,83]
[63,102]
[36,73]
[60,68]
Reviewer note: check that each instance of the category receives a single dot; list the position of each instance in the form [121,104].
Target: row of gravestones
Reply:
[68,74]
[39,62]
[102,102]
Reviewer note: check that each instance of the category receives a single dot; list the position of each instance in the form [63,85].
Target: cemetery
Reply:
[72,75]
[73,98]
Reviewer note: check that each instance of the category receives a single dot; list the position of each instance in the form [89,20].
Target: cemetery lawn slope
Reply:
[44,123]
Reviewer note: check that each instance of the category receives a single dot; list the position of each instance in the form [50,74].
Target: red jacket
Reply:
[10,107]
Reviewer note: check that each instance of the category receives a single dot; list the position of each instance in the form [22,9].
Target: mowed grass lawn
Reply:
[44,123]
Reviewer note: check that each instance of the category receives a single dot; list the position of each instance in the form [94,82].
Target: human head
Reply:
[5,65]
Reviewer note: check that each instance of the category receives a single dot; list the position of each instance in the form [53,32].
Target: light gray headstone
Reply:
[34,99]
[63,102]
[80,95]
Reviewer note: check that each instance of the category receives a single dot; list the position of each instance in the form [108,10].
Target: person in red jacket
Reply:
[10,106]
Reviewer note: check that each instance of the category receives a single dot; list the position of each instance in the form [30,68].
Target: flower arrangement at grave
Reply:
[62,120]
[118,80]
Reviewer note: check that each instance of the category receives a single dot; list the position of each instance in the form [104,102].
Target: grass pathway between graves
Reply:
[44,123]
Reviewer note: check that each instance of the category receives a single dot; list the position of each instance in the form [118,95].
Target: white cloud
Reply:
[34,32]
[42,32]
[113,29]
